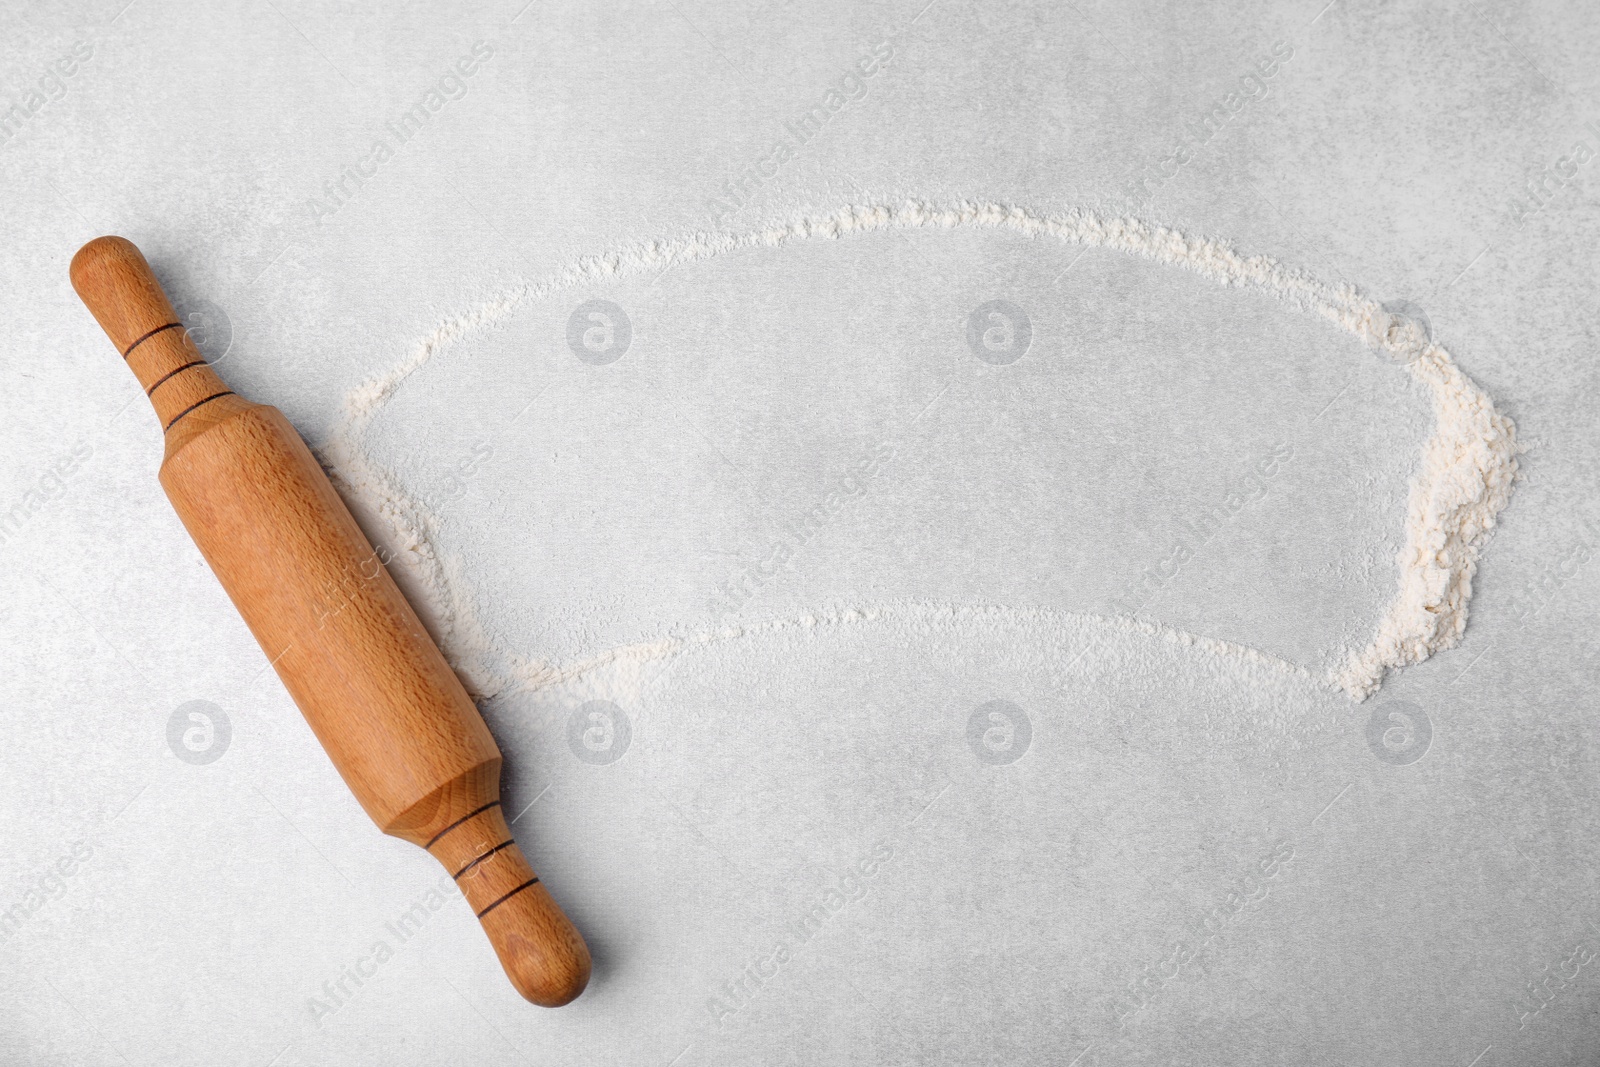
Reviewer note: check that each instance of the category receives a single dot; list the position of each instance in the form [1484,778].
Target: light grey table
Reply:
[779,589]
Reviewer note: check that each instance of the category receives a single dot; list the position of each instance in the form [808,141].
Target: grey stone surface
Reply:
[1140,856]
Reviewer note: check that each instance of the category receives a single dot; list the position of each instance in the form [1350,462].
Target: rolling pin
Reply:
[374,687]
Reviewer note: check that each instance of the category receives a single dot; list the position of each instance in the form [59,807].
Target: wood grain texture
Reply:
[350,650]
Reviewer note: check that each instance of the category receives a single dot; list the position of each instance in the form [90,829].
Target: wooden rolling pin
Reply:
[380,697]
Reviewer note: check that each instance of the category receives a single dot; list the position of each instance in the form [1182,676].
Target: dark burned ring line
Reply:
[502,845]
[458,822]
[508,896]
[157,384]
[145,337]
[197,403]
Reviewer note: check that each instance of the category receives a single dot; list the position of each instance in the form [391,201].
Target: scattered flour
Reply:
[626,671]
[1465,479]
[1123,676]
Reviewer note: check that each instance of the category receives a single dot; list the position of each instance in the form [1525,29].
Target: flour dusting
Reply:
[1468,468]
[1468,464]
[911,623]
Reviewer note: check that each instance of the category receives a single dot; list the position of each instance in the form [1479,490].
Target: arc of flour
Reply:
[1464,480]
[926,616]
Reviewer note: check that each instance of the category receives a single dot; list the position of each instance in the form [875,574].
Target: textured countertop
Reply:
[909,623]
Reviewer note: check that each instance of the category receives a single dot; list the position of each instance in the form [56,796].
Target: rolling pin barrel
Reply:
[372,684]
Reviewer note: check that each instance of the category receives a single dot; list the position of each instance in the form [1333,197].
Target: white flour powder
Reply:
[625,672]
[1465,477]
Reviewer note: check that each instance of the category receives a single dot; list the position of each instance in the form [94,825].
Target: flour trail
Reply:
[1463,481]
